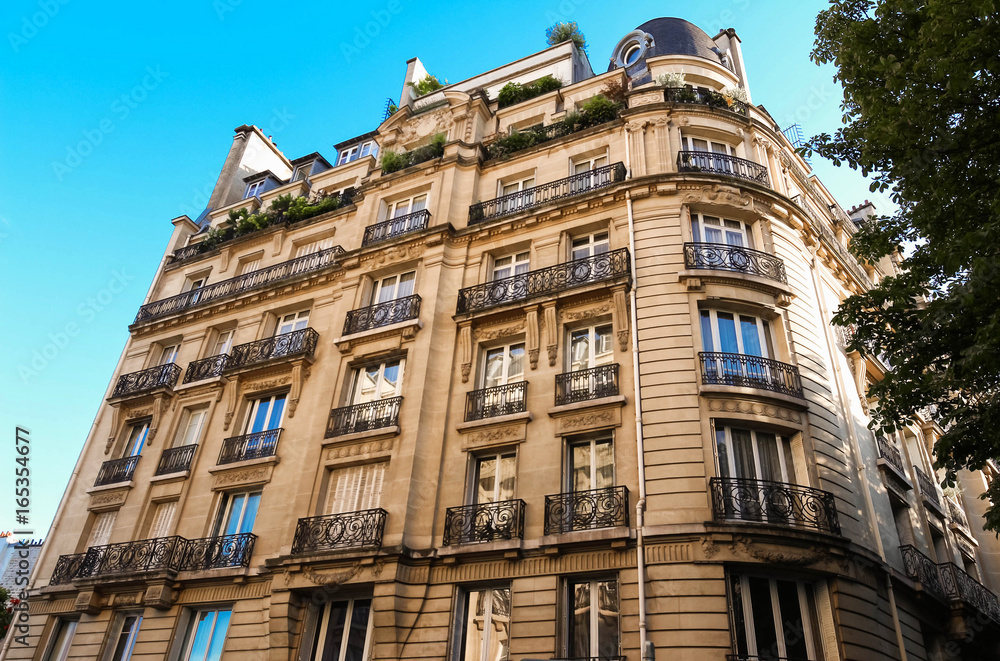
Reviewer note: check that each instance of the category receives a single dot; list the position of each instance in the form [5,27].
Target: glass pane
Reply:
[699,145]
[743,454]
[499,626]
[475,625]
[494,368]
[274,421]
[419,204]
[486,480]
[580,350]
[734,238]
[359,630]
[126,639]
[259,415]
[250,515]
[390,380]
[579,642]
[335,631]
[607,619]
[727,333]
[739,616]
[602,345]
[764,627]
[137,438]
[236,506]
[406,285]
[604,465]
[767,450]
[723,449]
[202,636]
[387,290]
[793,630]
[751,338]
[508,476]
[695,228]
[706,331]
[218,636]
[580,470]
[516,367]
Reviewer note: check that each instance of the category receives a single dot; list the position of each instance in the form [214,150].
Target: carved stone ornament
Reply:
[586,313]
[717,194]
[360,449]
[331,580]
[487,334]
[495,436]
[424,125]
[108,499]
[250,475]
[754,408]
[590,420]
[396,254]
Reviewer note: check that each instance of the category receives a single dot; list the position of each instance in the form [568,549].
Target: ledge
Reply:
[589,535]
[324,555]
[210,381]
[112,487]
[260,461]
[392,430]
[753,393]
[507,546]
[270,363]
[170,477]
[556,411]
[755,282]
[142,394]
[524,417]
[405,329]
[902,478]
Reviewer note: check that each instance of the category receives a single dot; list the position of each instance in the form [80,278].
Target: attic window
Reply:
[632,54]
[632,48]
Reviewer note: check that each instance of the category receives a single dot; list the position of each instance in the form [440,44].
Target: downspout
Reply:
[640,505]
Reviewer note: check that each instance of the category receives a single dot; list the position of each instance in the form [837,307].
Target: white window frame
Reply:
[714,146]
[314,246]
[763,332]
[323,624]
[594,242]
[226,511]
[254,189]
[518,264]
[192,631]
[506,377]
[499,456]
[168,353]
[291,322]
[594,358]
[728,227]
[591,163]
[512,187]
[723,435]
[303,171]
[224,341]
[253,406]
[403,207]
[381,285]
[249,264]
[593,442]
[355,393]
[594,612]
[467,618]
[62,639]
[806,609]
[191,427]
[135,438]
[128,644]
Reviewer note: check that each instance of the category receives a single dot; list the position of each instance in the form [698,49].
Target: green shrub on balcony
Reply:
[597,110]
[512,93]
[393,161]
[426,85]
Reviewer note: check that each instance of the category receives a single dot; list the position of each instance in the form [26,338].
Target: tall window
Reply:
[223,342]
[519,191]
[169,354]
[206,635]
[355,488]
[510,265]
[125,640]
[701,144]
[773,618]
[292,322]
[194,285]
[237,513]
[590,245]
[377,381]
[735,333]
[393,287]
[163,519]
[265,413]
[590,347]
[504,365]
[62,640]
[100,532]
[192,422]
[136,439]
[594,615]
[713,156]
[485,625]
[494,478]
[249,265]
[754,454]
[403,207]
[314,246]
[344,631]
[711,229]
[591,465]
[584,181]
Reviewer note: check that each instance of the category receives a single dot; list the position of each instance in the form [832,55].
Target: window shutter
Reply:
[101,532]
[355,488]
[247,267]
[162,519]
[315,246]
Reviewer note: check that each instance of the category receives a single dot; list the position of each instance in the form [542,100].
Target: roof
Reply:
[347,143]
[315,156]
[675,36]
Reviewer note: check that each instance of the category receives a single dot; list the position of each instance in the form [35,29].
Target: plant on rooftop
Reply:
[426,85]
[512,93]
[614,91]
[561,32]
[393,161]
[596,110]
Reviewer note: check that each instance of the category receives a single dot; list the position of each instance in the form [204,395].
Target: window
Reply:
[699,144]
[163,519]
[292,322]
[593,626]
[125,640]
[504,365]
[403,207]
[709,229]
[302,171]
[62,640]
[511,265]
[590,245]
[169,354]
[368,148]
[314,246]
[249,265]
[378,381]
[254,189]
[344,631]
[754,455]
[206,635]
[264,413]
[585,164]
[237,513]
[773,618]
[494,478]
[712,156]
[193,286]
[590,347]
[136,439]
[223,342]
[192,422]
[632,54]
[393,287]
[355,488]
[100,532]
[485,625]
[719,333]
[584,176]
[519,194]
[591,465]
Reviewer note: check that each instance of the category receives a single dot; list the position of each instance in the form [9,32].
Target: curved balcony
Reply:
[287,345]
[206,368]
[724,164]
[219,551]
[529,198]
[176,460]
[146,381]
[723,257]
[398,226]
[588,384]
[923,570]
[382,314]
[737,369]
[484,522]
[960,587]
[776,503]
[334,532]
[496,401]
[116,470]
[379,414]
[586,510]
[250,446]
[543,282]
[67,567]
[706,97]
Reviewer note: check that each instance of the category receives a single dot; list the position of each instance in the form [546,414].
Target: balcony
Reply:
[206,368]
[957,516]
[890,453]
[398,226]
[737,369]
[116,470]
[335,532]
[217,552]
[586,510]
[67,567]
[145,555]
[240,285]
[776,503]
[484,522]
[959,586]
[543,282]
[529,198]
[382,314]
[379,414]
[496,401]
[724,164]
[588,384]
[287,345]
[923,570]
[250,446]
[146,381]
[928,490]
[176,460]
[705,97]
[722,257]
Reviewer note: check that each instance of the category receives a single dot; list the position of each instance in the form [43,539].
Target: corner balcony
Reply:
[723,257]
[367,416]
[250,446]
[529,198]
[923,571]
[496,401]
[959,587]
[176,460]
[206,368]
[585,385]
[116,470]
[484,522]
[570,275]
[336,532]
[741,370]
[586,510]
[394,227]
[242,284]
[706,97]
[270,349]
[724,164]
[929,492]
[382,314]
[134,384]
[775,503]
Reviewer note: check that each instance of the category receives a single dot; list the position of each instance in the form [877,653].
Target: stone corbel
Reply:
[465,347]
[300,372]
[551,327]
[116,414]
[279,240]
[234,389]
[621,320]
[531,335]
[224,256]
[159,406]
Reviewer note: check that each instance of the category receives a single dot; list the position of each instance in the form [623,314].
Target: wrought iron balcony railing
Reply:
[398,226]
[250,446]
[722,257]
[144,555]
[497,400]
[927,488]
[705,97]
[367,416]
[240,284]
[551,280]
[137,383]
[67,567]
[737,369]
[957,514]
[176,460]
[297,343]
[579,183]
[767,657]
[960,586]
[116,470]
[333,532]
[714,163]
[775,503]
[187,252]
[586,510]
[382,314]
[484,522]
[216,552]
[206,368]
[591,658]
[922,569]
[584,385]
[888,451]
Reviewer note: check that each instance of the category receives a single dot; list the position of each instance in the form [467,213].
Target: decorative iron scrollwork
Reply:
[722,257]
[286,345]
[775,503]
[175,460]
[382,314]
[716,163]
[134,383]
[586,510]
[206,368]
[340,531]
[584,385]
[496,400]
[250,446]
[398,226]
[484,522]
[737,369]
[366,416]
[116,470]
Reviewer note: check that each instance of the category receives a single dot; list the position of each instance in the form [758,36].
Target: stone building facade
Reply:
[518,376]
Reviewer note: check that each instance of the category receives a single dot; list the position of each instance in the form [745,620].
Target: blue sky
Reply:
[116,118]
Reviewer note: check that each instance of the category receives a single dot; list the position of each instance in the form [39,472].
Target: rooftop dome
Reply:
[664,36]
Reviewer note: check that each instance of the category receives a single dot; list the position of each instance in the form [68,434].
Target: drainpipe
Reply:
[640,506]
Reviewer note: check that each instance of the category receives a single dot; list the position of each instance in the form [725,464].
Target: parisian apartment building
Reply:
[540,367]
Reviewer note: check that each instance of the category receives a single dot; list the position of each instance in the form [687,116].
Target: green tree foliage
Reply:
[512,93]
[426,85]
[921,100]
[561,32]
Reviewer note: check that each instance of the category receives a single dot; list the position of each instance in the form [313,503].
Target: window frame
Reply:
[569,584]
[223,517]
[371,474]
[61,625]
[506,378]
[253,407]
[593,242]
[191,632]
[568,464]
[593,358]
[520,263]
[474,475]
[115,640]
[379,285]
[722,436]
[133,445]
[746,230]
[460,651]
[687,144]
[390,210]
[223,340]
[323,616]
[808,610]
[354,393]
[254,189]
[293,319]
[765,336]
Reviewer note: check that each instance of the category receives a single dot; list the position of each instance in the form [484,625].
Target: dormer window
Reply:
[254,189]
[367,148]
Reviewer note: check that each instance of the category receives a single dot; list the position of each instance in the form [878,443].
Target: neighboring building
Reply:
[17,556]
[409,426]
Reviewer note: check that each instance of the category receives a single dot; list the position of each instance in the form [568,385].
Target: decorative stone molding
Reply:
[531,335]
[621,317]
[720,195]
[585,313]
[256,475]
[108,499]
[603,418]
[392,255]
[514,433]
[465,349]
[160,597]
[88,602]
[551,328]
[645,98]
[360,450]
[754,408]
[124,599]
[495,333]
